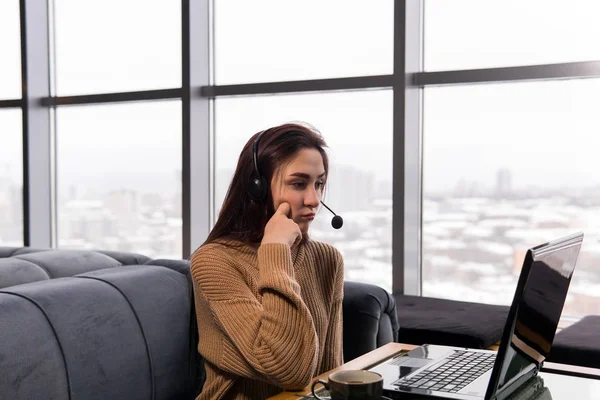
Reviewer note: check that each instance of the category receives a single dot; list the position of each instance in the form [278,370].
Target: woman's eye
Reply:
[320,184]
[298,185]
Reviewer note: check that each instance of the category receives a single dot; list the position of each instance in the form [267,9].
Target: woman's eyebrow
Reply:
[305,176]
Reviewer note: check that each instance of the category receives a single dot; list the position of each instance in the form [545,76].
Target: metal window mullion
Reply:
[102,98]
[196,169]
[37,144]
[571,70]
[303,86]
[12,103]
[407,164]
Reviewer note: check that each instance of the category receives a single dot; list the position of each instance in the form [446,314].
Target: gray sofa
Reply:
[112,325]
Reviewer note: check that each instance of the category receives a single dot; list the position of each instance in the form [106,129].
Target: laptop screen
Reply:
[536,309]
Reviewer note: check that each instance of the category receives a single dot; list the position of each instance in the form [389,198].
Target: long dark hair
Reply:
[242,219]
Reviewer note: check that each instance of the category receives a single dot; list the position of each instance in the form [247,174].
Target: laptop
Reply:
[433,371]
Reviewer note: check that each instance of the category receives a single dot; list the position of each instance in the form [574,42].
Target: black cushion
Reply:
[449,322]
[578,344]
[369,319]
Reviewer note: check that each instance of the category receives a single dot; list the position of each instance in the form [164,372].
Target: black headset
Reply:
[257,188]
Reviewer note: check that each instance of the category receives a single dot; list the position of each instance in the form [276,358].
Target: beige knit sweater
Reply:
[268,319]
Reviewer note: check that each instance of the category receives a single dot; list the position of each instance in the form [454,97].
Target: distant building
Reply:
[123,202]
[350,189]
[503,183]
[466,188]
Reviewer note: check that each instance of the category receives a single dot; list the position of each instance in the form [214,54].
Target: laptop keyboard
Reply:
[462,368]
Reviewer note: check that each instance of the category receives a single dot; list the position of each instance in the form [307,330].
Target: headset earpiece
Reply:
[257,187]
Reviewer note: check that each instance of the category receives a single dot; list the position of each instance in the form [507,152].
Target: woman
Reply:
[269,299]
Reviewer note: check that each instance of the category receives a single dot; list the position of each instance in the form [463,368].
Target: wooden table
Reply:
[376,356]
[363,362]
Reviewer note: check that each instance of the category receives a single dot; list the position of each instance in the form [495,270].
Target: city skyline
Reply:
[473,241]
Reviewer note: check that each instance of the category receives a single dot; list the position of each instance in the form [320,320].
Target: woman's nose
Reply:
[311,198]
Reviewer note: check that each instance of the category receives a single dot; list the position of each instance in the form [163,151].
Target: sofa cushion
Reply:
[31,359]
[101,342]
[578,344]
[7,251]
[115,333]
[181,266]
[14,271]
[164,318]
[448,322]
[124,257]
[64,263]
[28,250]
[15,251]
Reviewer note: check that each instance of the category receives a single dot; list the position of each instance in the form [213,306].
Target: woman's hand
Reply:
[281,228]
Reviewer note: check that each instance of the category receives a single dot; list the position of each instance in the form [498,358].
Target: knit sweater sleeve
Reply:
[333,349]
[272,339]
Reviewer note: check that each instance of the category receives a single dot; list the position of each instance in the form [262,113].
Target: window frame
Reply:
[38,104]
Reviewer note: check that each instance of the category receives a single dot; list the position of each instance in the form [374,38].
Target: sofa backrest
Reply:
[14,271]
[15,251]
[369,312]
[25,264]
[111,333]
[370,319]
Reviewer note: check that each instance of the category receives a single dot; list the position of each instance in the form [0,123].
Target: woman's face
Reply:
[300,184]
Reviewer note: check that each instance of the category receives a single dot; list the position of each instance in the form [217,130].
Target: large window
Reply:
[10,51]
[357,127]
[11,132]
[273,40]
[117,46]
[11,178]
[509,164]
[465,34]
[506,167]
[119,178]
[119,165]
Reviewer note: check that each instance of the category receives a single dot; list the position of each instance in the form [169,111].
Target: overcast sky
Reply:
[544,132]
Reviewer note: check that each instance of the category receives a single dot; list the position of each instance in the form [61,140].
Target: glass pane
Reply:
[11,178]
[273,40]
[117,46]
[507,167]
[119,178]
[357,127]
[463,34]
[10,50]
